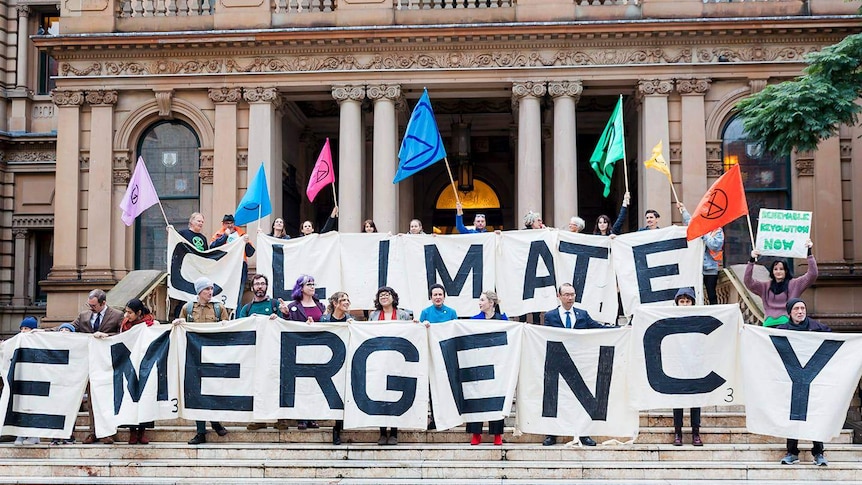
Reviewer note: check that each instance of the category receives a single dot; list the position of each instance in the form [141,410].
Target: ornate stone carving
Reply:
[164,100]
[693,86]
[565,88]
[528,88]
[93,69]
[31,156]
[20,232]
[845,149]
[713,151]
[67,98]
[121,177]
[24,11]
[674,151]
[650,87]
[805,164]
[33,221]
[714,169]
[756,85]
[242,160]
[260,95]
[101,97]
[225,95]
[206,175]
[84,162]
[754,53]
[43,111]
[383,91]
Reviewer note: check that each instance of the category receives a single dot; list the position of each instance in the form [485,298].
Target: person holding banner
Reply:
[566,316]
[685,297]
[479,223]
[437,312]
[338,310]
[136,313]
[386,308]
[533,220]
[577,224]
[308,226]
[204,310]
[28,324]
[781,287]
[278,229]
[800,322]
[229,233]
[415,227]
[193,233]
[489,309]
[369,227]
[305,307]
[603,223]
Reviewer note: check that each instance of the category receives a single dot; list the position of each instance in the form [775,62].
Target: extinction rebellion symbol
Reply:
[134,197]
[716,205]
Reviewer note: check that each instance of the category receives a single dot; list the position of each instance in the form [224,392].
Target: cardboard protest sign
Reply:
[783,233]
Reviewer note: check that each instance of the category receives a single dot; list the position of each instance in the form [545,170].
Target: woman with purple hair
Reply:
[305,307]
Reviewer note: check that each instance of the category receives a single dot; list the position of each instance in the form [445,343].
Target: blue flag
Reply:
[422,145]
[255,203]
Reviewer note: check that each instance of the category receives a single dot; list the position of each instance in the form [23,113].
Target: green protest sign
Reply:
[783,233]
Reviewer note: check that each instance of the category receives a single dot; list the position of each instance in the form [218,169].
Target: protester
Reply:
[386,308]
[533,220]
[603,222]
[338,310]
[437,312]
[136,313]
[278,229]
[781,287]
[416,227]
[369,226]
[651,217]
[305,307]
[102,321]
[193,233]
[230,233]
[685,297]
[713,255]
[800,321]
[576,224]
[308,227]
[479,223]
[204,310]
[566,316]
[28,324]
[64,327]
[489,309]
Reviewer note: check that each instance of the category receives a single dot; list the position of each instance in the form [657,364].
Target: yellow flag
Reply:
[658,162]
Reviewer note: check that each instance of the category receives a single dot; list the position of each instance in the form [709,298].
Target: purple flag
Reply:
[140,195]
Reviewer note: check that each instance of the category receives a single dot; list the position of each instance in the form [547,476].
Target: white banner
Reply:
[685,356]
[48,372]
[474,370]
[573,382]
[388,378]
[652,265]
[223,265]
[283,261]
[527,278]
[130,380]
[799,384]
[370,261]
[301,370]
[783,233]
[463,263]
[584,260]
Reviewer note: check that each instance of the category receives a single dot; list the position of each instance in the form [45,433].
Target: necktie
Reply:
[97,322]
[568,319]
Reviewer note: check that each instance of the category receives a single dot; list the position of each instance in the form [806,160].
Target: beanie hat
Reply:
[793,301]
[67,326]
[29,322]
[202,283]
[687,292]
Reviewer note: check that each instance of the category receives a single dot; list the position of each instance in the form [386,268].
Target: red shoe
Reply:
[133,437]
[498,440]
[477,439]
[142,438]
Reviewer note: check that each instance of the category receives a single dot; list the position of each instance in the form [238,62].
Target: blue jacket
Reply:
[580,319]
[462,229]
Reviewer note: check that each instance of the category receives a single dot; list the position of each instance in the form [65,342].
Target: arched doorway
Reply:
[171,150]
[481,200]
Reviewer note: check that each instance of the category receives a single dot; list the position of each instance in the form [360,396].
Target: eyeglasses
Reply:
[260,284]
[310,283]
[384,293]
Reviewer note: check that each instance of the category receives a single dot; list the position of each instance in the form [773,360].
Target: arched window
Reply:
[171,150]
[766,178]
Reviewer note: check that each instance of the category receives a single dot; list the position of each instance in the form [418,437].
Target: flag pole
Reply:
[750,230]
[452,180]
[163,213]
[676,197]
[334,197]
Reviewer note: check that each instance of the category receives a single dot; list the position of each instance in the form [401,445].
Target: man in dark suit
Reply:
[566,316]
[101,321]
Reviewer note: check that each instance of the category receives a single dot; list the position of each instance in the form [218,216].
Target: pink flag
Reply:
[140,195]
[323,173]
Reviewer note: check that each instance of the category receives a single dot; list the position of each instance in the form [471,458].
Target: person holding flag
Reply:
[228,234]
[322,174]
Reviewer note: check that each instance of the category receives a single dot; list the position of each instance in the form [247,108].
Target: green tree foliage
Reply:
[800,113]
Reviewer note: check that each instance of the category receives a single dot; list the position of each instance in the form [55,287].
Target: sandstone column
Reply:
[385,156]
[528,96]
[694,181]
[224,150]
[21,295]
[350,145]
[121,258]
[654,190]
[21,63]
[827,230]
[262,141]
[68,184]
[101,211]
[566,95]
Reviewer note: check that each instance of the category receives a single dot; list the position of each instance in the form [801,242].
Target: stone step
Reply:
[430,469]
[767,453]
[239,434]
[380,481]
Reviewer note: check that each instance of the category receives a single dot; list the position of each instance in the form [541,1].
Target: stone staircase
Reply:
[306,457]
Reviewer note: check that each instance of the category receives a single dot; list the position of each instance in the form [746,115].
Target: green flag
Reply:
[611,147]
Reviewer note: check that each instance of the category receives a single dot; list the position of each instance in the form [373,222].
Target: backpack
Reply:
[190,306]
[247,307]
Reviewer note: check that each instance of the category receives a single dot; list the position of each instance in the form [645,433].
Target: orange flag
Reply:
[723,203]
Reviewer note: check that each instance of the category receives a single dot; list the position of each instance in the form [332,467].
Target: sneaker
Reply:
[820,460]
[56,442]
[69,441]
[19,441]
[790,459]
[32,441]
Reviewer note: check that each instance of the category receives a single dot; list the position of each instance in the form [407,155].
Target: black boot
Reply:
[677,436]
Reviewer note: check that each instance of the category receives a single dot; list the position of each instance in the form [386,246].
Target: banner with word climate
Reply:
[222,265]
[783,233]
[523,267]
[377,374]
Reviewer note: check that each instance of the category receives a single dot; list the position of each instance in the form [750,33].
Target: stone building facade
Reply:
[205,91]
